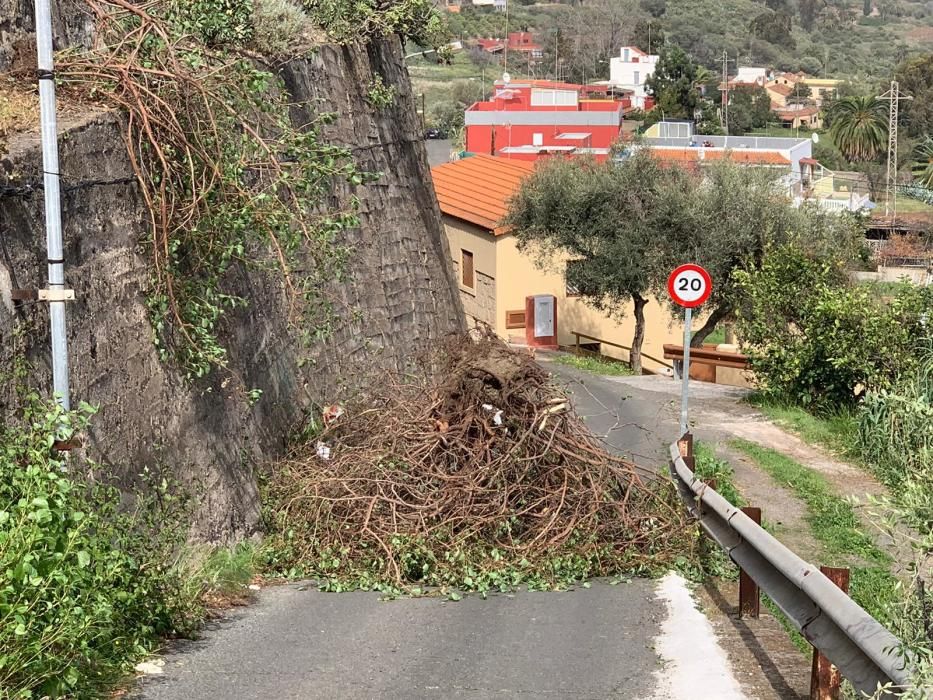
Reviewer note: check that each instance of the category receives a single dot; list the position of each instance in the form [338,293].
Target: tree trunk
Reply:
[639,337]
[718,315]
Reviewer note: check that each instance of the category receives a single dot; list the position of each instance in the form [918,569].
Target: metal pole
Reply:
[53,214]
[688,320]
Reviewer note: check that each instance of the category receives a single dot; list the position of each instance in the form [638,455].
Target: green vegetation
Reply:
[860,127]
[818,341]
[87,585]
[821,38]
[675,86]
[894,436]
[595,364]
[710,468]
[836,430]
[228,176]
[835,525]
[626,225]
[826,339]
[717,336]
[380,95]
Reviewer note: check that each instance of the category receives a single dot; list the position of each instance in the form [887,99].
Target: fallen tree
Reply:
[484,478]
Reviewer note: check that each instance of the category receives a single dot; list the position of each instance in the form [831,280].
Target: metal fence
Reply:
[864,651]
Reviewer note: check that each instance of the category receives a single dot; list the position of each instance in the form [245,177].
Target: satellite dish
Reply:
[506,78]
[815,138]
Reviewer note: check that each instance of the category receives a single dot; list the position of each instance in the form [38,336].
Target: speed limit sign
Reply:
[689,285]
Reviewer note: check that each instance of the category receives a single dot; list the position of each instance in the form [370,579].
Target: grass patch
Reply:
[710,468]
[836,527]
[594,364]
[830,517]
[836,432]
[717,337]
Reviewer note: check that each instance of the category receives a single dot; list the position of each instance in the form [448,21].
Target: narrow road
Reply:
[587,643]
[639,640]
[639,417]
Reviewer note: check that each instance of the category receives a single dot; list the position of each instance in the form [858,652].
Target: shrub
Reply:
[84,586]
[215,22]
[894,436]
[278,26]
[380,95]
[817,340]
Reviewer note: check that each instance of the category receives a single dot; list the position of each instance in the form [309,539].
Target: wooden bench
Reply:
[707,356]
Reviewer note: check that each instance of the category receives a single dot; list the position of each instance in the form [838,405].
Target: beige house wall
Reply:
[505,277]
[479,303]
[519,276]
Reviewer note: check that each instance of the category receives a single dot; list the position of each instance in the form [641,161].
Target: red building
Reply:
[523,42]
[538,118]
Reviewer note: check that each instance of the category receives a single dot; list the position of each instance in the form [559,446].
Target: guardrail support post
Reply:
[686,451]
[825,679]
[576,345]
[749,595]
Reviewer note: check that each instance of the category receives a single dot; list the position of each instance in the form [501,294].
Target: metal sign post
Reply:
[689,286]
[53,216]
[685,371]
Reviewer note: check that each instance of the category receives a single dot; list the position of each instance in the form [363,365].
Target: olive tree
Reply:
[624,226]
[735,214]
[608,221]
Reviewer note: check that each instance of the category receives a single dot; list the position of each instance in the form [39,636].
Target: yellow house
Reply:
[495,279]
[823,89]
[783,85]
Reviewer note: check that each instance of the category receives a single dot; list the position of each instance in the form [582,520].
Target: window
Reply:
[537,139]
[466,269]
[553,98]
[637,76]
[625,55]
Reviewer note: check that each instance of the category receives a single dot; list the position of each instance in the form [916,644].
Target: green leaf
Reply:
[83,559]
[454,596]
[587,584]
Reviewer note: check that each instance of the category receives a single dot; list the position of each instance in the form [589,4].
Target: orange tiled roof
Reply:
[692,155]
[478,188]
[781,89]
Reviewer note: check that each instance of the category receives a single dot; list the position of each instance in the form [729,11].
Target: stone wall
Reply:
[400,297]
[71,26]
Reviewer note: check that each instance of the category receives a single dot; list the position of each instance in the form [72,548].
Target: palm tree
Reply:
[923,163]
[859,127]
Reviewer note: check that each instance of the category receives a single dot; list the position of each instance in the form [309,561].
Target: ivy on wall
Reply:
[227,178]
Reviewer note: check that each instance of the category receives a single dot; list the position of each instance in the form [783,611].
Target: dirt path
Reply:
[782,511]
[846,480]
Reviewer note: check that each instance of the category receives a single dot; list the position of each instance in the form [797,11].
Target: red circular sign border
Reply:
[694,268]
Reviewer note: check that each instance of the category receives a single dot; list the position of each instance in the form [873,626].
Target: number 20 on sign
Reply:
[689,286]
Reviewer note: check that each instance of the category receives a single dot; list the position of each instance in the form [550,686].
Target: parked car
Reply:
[434,134]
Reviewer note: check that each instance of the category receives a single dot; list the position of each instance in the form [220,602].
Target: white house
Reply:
[630,70]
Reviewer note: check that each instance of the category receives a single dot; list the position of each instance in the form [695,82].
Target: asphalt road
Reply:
[601,642]
[586,643]
[639,417]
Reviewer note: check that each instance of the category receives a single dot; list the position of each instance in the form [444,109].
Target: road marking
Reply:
[695,666]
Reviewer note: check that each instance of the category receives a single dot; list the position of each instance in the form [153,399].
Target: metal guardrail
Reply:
[863,650]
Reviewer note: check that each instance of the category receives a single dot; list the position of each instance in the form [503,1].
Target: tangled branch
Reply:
[225,175]
[487,469]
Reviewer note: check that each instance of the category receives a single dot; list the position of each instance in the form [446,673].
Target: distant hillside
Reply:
[858,39]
